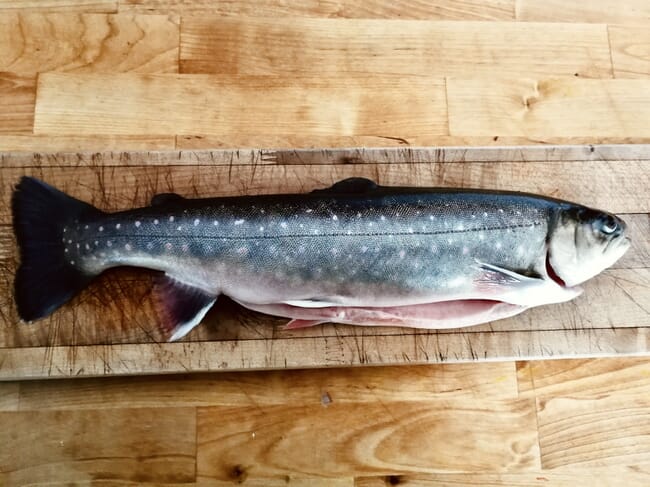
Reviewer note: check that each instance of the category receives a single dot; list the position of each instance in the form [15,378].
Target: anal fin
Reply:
[180,306]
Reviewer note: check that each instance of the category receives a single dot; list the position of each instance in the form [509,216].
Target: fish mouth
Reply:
[551,272]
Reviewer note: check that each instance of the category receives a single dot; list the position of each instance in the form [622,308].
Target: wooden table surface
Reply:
[102,77]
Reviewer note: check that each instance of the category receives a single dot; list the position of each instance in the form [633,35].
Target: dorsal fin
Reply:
[350,185]
[165,198]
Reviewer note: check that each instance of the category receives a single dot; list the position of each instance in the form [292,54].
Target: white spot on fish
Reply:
[85,227]
[87,247]
[358,215]
[155,222]
[69,241]
[261,229]
[465,251]
[96,242]
[118,225]
[481,236]
[127,247]
[410,230]
[109,243]
[518,212]
[283,224]
[459,281]
[308,210]
[418,213]
[179,228]
[171,218]
[301,225]
[149,246]
[168,246]
[473,216]
[520,250]
[215,223]
[301,249]
[460,227]
[137,224]
[94,257]
[449,241]
[239,222]
[434,249]
[349,232]
[402,254]
[242,250]
[498,245]
[72,262]
[102,254]
[66,250]
[101,229]
[335,218]
[500,210]
[77,245]
[364,249]
[370,224]
[196,222]
[262,211]
[485,215]
[334,251]
[382,218]
[65,229]
[315,231]
[185,247]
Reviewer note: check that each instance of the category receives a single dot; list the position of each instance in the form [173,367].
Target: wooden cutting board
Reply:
[110,329]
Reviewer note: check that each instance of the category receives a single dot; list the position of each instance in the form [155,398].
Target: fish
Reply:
[353,253]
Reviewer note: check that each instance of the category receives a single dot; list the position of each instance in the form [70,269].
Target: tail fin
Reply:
[45,280]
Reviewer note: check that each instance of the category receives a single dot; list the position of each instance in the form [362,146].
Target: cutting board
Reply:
[110,329]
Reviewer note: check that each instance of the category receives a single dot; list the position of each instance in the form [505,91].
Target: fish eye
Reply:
[608,225]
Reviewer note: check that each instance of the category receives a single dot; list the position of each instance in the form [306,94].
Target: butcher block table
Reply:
[114,101]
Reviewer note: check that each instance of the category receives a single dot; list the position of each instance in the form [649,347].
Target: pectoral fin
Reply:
[180,306]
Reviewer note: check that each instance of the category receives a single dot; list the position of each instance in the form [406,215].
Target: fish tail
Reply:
[45,279]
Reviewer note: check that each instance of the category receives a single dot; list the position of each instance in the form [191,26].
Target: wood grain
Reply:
[607,478]
[374,9]
[297,141]
[137,104]
[88,43]
[133,445]
[331,47]
[601,11]
[72,143]
[630,47]
[9,396]
[312,387]
[552,107]
[592,379]
[594,433]
[372,439]
[86,6]
[17,99]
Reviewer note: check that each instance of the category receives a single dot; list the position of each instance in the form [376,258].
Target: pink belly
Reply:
[444,314]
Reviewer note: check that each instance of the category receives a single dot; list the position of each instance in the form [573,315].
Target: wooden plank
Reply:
[139,104]
[72,143]
[284,481]
[201,142]
[334,47]
[625,11]
[321,156]
[598,478]
[373,438]
[630,47]
[17,99]
[549,107]
[307,352]
[86,6]
[372,9]
[594,433]
[313,387]
[134,444]
[592,379]
[88,43]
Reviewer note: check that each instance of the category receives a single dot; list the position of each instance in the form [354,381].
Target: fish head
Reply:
[584,242]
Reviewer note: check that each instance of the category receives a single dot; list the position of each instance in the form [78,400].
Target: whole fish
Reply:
[355,253]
